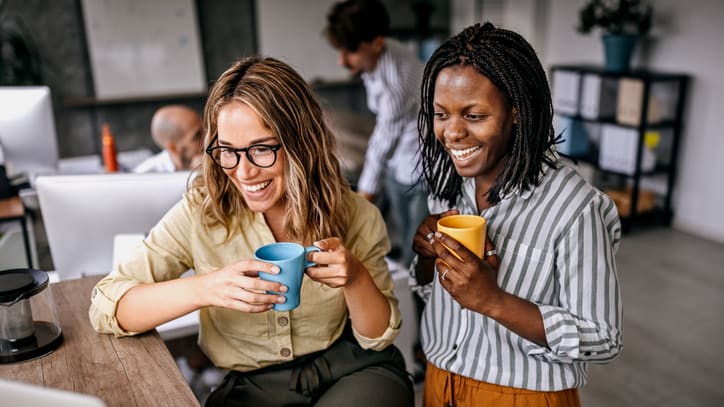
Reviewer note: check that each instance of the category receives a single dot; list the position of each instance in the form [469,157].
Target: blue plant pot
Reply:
[618,49]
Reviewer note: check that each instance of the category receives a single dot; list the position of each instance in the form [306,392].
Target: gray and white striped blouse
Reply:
[556,246]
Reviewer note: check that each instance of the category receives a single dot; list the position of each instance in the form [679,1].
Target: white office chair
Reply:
[12,245]
[12,250]
[177,328]
[410,330]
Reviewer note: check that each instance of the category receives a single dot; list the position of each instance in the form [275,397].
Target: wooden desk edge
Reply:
[121,371]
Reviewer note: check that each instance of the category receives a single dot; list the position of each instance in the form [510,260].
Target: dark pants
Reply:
[342,375]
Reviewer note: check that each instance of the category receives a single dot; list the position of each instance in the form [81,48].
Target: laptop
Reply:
[30,395]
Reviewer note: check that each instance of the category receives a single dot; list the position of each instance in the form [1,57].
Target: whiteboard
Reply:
[292,31]
[143,48]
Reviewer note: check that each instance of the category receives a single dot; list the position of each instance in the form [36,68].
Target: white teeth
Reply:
[257,187]
[459,154]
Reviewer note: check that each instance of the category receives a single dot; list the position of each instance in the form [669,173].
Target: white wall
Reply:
[687,37]
[291,30]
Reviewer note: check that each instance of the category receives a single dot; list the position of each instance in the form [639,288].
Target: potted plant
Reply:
[622,23]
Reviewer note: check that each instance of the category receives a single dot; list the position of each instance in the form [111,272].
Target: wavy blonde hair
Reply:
[315,186]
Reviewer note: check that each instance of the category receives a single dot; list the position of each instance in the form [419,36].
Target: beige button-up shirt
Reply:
[247,341]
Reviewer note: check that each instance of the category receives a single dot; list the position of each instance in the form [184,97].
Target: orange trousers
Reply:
[443,388]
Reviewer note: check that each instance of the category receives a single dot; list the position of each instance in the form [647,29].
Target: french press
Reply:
[22,298]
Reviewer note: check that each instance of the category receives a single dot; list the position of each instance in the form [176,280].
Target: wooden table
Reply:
[12,209]
[131,371]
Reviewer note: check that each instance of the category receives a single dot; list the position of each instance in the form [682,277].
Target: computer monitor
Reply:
[27,130]
[82,214]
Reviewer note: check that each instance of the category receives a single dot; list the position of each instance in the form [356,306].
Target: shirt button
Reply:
[283,321]
[285,352]
[455,346]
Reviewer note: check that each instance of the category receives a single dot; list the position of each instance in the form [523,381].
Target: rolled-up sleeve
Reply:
[396,108]
[586,324]
[104,300]
[387,337]
[162,256]
[381,145]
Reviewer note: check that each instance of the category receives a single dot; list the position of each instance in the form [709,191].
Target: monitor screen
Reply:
[82,214]
[27,130]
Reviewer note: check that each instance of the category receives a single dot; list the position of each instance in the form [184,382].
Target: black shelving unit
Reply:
[663,211]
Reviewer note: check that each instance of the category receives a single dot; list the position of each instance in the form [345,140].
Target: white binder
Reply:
[566,87]
[598,97]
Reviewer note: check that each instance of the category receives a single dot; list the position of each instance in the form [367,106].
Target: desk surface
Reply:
[11,208]
[132,371]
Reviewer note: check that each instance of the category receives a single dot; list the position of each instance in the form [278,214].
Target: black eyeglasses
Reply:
[261,155]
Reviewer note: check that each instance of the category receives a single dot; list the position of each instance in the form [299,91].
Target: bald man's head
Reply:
[177,128]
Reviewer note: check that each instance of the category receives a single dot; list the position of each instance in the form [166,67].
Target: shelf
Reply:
[644,74]
[659,170]
[409,33]
[321,84]
[614,95]
[654,217]
[664,124]
[94,102]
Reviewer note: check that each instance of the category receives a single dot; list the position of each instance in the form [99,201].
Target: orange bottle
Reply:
[109,150]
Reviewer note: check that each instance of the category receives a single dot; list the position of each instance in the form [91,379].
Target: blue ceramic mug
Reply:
[291,258]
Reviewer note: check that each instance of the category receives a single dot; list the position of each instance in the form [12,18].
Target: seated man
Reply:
[176,129]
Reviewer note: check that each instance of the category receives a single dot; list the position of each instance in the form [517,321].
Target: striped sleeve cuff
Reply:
[573,339]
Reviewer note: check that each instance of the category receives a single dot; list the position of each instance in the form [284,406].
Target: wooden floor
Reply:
[673,292]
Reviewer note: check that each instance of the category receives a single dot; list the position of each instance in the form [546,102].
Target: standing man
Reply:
[391,73]
[176,129]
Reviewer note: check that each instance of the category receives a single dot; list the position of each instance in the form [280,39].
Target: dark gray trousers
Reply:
[342,375]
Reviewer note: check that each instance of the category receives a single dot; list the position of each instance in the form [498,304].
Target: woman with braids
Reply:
[270,175]
[519,326]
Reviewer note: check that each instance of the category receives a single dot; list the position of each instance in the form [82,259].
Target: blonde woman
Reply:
[270,175]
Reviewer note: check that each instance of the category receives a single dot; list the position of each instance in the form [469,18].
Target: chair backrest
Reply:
[82,214]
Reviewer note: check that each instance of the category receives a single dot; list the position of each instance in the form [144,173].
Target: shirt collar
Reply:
[469,189]
[383,59]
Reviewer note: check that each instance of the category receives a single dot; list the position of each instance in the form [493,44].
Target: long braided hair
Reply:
[510,62]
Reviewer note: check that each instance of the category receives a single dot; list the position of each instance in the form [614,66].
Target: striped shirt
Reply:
[393,95]
[556,246]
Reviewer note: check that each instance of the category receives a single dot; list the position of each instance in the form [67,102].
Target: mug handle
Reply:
[307,250]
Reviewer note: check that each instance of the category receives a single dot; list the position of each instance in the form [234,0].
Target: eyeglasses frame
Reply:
[237,151]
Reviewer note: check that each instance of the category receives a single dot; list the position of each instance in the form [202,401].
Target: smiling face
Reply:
[263,189]
[474,121]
